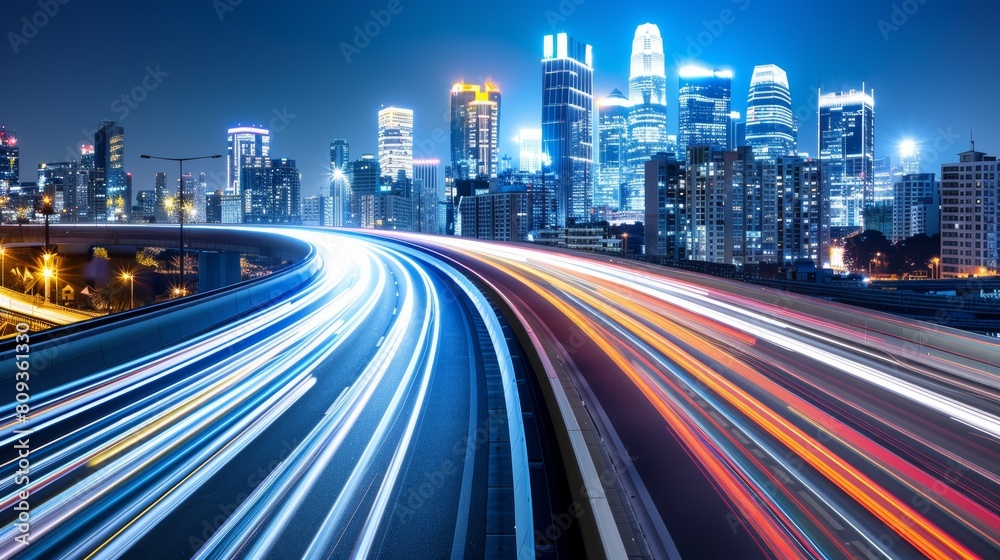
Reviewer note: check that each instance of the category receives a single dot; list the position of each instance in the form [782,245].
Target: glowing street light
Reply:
[131,288]
[180,203]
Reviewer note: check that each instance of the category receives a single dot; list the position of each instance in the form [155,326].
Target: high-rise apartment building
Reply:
[969,215]
[613,153]
[364,178]
[915,207]
[666,203]
[704,102]
[847,150]
[395,142]
[245,142]
[567,124]
[803,231]
[770,124]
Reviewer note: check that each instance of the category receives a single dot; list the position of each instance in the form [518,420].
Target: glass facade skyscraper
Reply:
[647,117]
[395,142]
[10,162]
[475,131]
[340,195]
[245,142]
[110,197]
[568,125]
[529,142]
[704,101]
[613,152]
[770,126]
[847,150]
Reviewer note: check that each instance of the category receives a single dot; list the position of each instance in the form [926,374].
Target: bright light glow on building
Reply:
[907,148]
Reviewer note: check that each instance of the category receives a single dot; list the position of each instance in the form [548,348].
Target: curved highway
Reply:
[751,429]
[311,428]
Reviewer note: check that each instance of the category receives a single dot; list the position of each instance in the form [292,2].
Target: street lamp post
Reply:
[180,206]
[47,210]
[131,289]
[625,244]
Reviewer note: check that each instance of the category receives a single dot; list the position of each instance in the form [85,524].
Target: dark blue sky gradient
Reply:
[263,62]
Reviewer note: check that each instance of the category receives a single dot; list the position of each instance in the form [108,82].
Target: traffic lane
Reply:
[699,519]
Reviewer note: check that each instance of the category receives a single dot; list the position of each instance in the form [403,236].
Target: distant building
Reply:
[770,124]
[161,213]
[646,112]
[847,150]
[567,124]
[59,181]
[803,231]
[286,185]
[231,208]
[704,102]
[317,211]
[147,205]
[110,189]
[499,216]
[363,178]
[427,195]
[340,188]
[666,202]
[10,162]
[969,215]
[529,141]
[475,131]
[395,141]
[213,207]
[613,154]
[916,207]
[245,142]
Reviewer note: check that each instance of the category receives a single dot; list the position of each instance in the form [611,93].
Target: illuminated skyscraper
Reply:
[426,194]
[770,126]
[475,131]
[567,124]
[245,142]
[110,189]
[364,179]
[704,101]
[613,152]
[647,117]
[10,161]
[340,189]
[909,158]
[847,150]
[395,141]
[529,141]
[160,194]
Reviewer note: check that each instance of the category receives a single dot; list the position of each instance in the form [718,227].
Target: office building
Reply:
[317,211]
[647,111]
[529,142]
[497,216]
[340,189]
[666,202]
[969,215]
[110,189]
[10,162]
[163,212]
[613,154]
[847,150]
[475,131]
[770,124]
[915,207]
[704,101]
[245,144]
[395,141]
[567,124]
[428,194]
[146,205]
[363,178]
[213,207]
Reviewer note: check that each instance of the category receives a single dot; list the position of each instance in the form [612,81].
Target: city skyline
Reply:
[47,123]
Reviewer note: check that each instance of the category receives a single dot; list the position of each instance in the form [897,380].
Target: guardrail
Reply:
[66,354]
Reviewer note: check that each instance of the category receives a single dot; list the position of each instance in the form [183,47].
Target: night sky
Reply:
[216,64]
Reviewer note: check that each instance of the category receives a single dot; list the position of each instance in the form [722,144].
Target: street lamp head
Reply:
[145,156]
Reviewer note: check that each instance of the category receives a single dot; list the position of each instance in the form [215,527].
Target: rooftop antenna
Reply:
[972,140]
